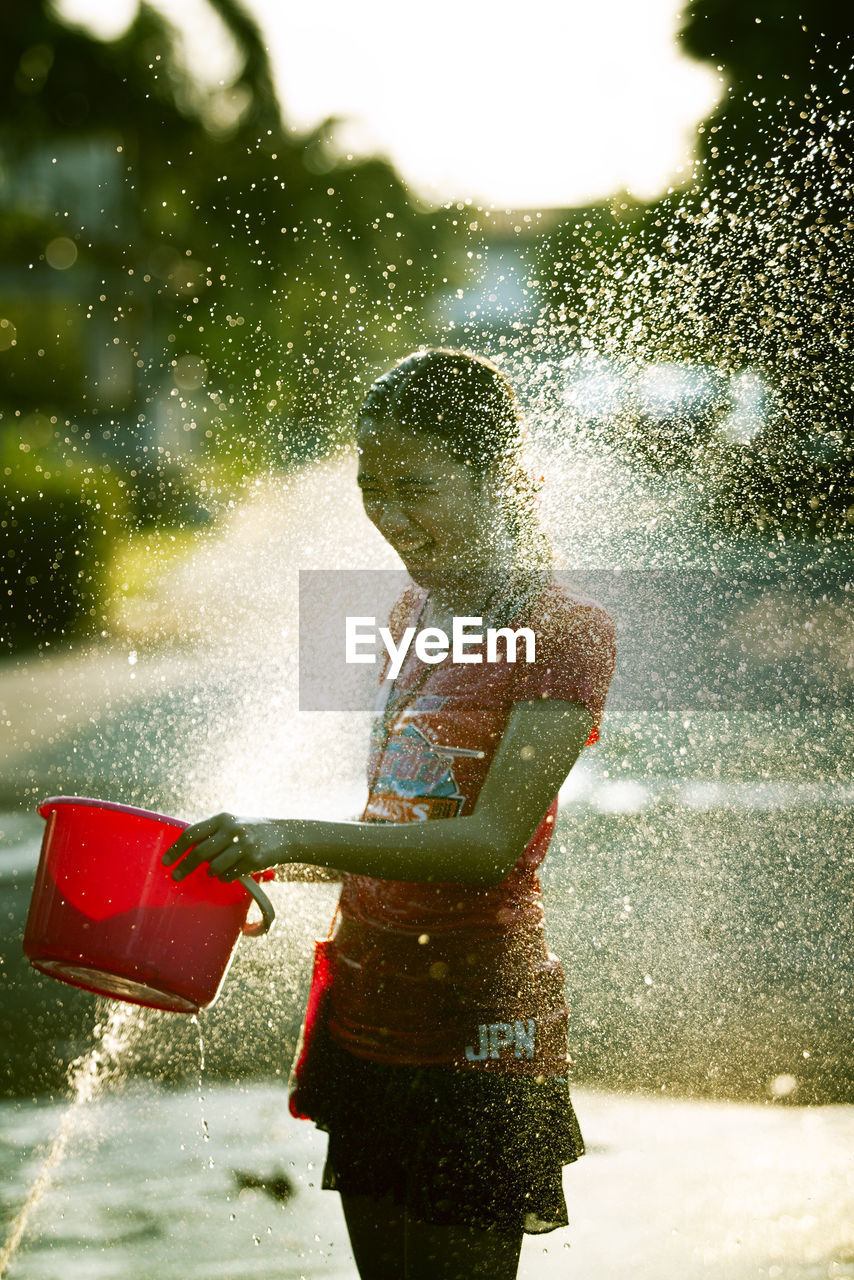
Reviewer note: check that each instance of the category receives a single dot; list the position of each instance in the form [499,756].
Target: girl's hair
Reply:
[467,403]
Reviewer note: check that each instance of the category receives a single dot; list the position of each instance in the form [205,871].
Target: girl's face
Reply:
[442,517]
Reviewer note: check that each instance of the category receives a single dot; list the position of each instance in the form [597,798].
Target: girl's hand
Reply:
[231,846]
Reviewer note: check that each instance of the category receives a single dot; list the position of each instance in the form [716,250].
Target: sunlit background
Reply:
[218,222]
[565,105]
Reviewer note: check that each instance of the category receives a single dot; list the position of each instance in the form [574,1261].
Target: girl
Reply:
[442,1075]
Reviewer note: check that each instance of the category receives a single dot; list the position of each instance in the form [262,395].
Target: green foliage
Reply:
[779,51]
[183,281]
[217,234]
[58,521]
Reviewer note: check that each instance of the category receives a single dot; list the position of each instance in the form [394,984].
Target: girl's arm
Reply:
[539,747]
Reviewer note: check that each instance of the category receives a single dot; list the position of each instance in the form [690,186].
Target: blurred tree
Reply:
[747,269]
[783,64]
[321,259]
[777,166]
[180,274]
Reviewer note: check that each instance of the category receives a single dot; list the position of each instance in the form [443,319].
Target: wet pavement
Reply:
[669,1190]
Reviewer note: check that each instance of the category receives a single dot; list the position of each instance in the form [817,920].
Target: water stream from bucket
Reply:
[87,1076]
[203,1124]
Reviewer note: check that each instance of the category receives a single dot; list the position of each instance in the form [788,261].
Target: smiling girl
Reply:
[442,1080]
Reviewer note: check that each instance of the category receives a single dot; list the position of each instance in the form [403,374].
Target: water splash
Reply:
[688,360]
[205,1131]
[87,1076]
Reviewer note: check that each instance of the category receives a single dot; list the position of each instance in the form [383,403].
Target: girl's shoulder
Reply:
[561,609]
[575,652]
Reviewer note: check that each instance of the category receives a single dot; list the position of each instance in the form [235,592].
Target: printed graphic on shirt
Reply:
[415,781]
[493,1037]
[426,704]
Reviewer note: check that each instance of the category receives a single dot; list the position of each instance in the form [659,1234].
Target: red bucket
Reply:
[107,916]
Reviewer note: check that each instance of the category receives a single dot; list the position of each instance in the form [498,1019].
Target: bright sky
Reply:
[524,105]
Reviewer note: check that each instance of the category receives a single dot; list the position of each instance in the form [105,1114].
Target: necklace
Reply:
[395,701]
[512,593]
[394,707]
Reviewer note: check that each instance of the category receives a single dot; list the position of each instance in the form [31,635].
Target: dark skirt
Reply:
[453,1146]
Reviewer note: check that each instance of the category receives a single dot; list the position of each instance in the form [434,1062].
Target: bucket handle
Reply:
[257,928]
